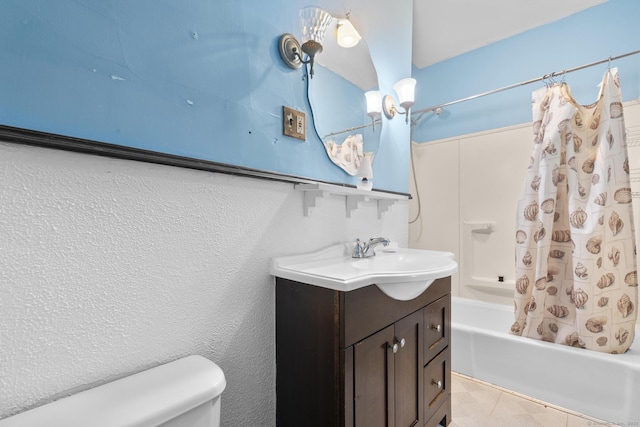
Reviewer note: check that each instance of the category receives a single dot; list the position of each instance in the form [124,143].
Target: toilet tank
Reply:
[184,393]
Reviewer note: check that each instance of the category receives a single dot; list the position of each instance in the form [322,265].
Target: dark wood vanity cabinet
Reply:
[361,358]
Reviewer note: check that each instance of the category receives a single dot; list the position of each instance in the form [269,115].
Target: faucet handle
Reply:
[357,250]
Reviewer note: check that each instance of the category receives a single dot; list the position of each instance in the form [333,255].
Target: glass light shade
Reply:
[405,89]
[314,24]
[374,103]
[346,34]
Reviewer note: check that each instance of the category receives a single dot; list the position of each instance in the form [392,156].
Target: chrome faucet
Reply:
[366,250]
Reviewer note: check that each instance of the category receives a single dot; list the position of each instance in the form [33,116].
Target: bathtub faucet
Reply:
[366,250]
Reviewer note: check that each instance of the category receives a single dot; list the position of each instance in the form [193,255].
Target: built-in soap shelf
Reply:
[353,197]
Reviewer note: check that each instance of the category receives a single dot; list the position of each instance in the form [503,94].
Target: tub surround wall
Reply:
[111,266]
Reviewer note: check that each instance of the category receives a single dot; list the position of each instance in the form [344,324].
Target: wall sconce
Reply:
[314,25]
[405,89]
[374,106]
[346,34]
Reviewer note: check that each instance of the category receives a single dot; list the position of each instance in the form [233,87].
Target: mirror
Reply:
[336,92]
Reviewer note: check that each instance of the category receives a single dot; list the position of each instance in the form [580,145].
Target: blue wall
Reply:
[609,29]
[199,79]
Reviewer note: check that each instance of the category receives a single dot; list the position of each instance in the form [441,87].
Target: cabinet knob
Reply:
[437,383]
[438,328]
[402,342]
[394,348]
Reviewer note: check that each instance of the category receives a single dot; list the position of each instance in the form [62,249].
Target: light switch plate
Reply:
[294,123]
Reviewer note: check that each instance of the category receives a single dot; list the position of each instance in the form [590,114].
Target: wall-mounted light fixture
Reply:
[346,34]
[374,106]
[314,25]
[405,89]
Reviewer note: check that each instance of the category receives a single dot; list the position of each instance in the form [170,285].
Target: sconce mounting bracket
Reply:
[389,106]
[290,50]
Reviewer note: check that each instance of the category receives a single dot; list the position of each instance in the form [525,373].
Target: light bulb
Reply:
[347,35]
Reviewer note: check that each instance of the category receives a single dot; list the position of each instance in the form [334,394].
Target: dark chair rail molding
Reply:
[79,145]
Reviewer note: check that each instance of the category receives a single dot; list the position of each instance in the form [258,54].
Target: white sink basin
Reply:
[402,274]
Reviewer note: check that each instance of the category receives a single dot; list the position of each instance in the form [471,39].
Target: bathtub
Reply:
[603,386]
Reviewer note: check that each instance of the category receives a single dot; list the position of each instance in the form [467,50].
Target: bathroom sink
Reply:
[401,273]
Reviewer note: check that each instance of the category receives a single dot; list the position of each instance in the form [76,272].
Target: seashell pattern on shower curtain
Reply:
[575,246]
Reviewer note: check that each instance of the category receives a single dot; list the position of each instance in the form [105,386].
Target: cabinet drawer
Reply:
[437,327]
[437,382]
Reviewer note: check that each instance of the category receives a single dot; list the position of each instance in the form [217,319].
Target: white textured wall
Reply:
[108,267]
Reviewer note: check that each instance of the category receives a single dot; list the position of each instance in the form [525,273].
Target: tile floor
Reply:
[479,404]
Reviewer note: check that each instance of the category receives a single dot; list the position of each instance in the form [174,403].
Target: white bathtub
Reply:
[604,386]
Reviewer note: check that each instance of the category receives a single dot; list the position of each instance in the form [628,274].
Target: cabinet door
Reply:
[374,380]
[409,371]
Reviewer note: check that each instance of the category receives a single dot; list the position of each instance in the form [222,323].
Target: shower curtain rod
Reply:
[435,108]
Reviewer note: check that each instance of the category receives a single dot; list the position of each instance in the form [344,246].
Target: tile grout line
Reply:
[596,421]
[495,404]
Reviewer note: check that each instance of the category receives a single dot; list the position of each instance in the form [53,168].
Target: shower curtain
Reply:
[576,276]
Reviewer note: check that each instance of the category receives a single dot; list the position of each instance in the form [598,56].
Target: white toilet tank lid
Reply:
[147,398]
